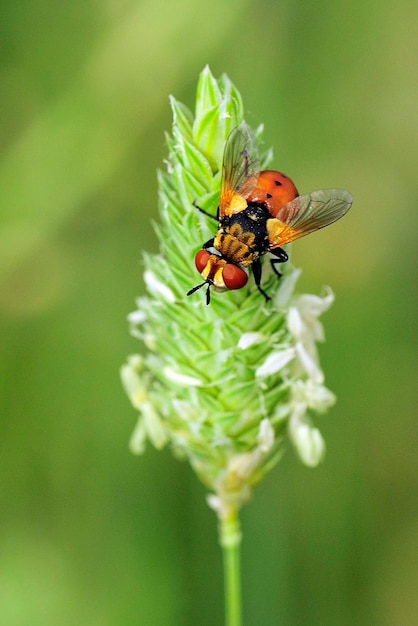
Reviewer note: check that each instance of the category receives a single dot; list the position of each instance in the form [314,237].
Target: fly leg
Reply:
[208,244]
[212,217]
[256,267]
[282,257]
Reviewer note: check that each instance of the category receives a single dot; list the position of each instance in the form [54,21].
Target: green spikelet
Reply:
[221,384]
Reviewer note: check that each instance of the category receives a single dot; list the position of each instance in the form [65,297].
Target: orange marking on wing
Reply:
[240,168]
[306,214]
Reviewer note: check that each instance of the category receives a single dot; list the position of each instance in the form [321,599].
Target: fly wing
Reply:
[306,214]
[241,166]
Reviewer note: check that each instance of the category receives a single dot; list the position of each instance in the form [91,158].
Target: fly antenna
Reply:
[189,293]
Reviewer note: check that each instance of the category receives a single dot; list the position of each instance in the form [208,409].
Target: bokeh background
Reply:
[89,534]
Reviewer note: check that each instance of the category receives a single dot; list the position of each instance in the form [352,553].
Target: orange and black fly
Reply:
[259,211]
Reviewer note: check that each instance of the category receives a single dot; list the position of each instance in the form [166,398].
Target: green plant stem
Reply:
[230,540]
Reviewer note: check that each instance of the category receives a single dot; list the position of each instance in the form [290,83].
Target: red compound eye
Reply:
[234,277]
[201,260]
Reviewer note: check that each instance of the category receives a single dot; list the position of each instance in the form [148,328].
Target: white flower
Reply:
[286,288]
[181,379]
[312,306]
[242,466]
[138,438]
[275,361]
[307,440]
[136,317]
[156,287]
[302,320]
[135,385]
[309,360]
[295,323]
[215,503]
[304,326]
[250,339]
[153,426]
[309,444]
[185,410]
[265,437]
[315,396]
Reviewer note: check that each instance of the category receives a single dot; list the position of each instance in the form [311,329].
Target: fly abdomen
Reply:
[233,248]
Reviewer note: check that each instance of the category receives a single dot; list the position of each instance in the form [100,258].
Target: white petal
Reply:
[181,379]
[250,339]
[313,306]
[309,364]
[149,341]
[265,436]
[155,286]
[214,502]
[295,323]
[136,317]
[316,396]
[309,444]
[154,426]
[281,413]
[138,438]
[275,362]
[185,410]
[316,330]
[242,466]
[133,383]
[287,285]
[298,411]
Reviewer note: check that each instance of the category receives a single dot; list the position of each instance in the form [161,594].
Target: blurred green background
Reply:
[91,535]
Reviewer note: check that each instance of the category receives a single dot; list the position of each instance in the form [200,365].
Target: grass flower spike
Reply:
[223,385]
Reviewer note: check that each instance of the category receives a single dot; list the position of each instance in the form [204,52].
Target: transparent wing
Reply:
[241,166]
[307,213]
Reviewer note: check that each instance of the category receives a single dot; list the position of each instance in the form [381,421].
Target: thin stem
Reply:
[230,540]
